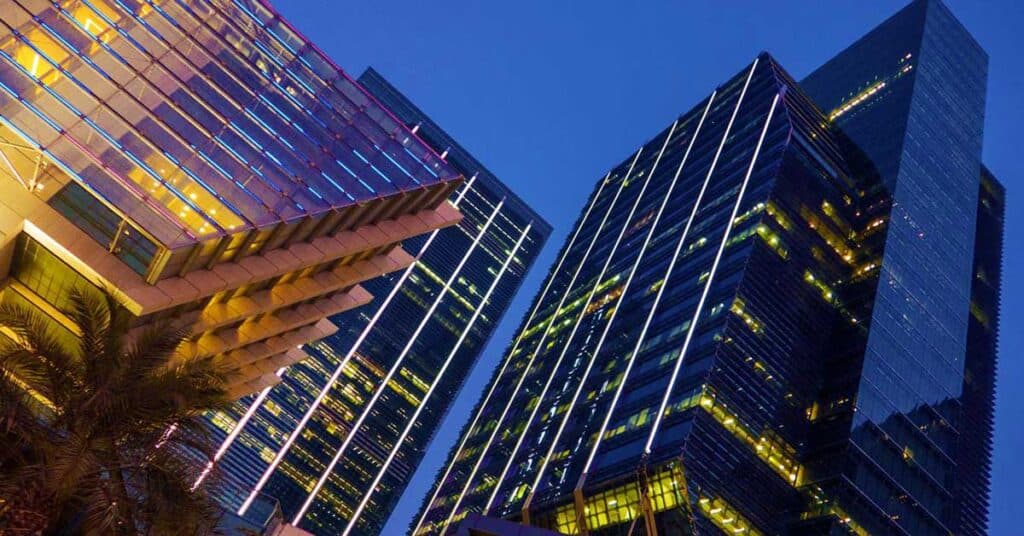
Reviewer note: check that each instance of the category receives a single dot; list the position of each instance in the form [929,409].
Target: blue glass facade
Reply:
[778,316]
[677,342]
[922,126]
[337,440]
[974,456]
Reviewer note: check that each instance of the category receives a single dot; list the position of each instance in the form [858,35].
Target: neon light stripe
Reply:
[440,374]
[198,98]
[100,102]
[102,132]
[508,360]
[234,432]
[540,343]
[668,273]
[607,328]
[627,222]
[394,368]
[711,277]
[333,83]
[544,336]
[337,372]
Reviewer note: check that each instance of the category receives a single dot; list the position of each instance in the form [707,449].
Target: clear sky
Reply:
[549,94]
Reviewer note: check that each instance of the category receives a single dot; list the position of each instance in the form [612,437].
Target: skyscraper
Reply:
[911,94]
[208,165]
[974,453]
[337,440]
[777,316]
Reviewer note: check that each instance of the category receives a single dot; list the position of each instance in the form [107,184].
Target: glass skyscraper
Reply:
[911,94]
[209,166]
[779,315]
[974,452]
[335,443]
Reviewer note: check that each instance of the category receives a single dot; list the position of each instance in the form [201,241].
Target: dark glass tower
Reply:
[675,350]
[911,94]
[336,442]
[974,457]
[778,316]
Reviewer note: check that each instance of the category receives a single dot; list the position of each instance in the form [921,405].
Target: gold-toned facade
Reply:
[207,164]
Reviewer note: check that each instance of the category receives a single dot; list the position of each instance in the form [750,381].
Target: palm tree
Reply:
[99,430]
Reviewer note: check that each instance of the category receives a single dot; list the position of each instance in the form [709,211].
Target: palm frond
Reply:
[171,503]
[38,337]
[26,372]
[104,463]
[93,317]
[153,350]
[98,511]
[23,425]
[72,462]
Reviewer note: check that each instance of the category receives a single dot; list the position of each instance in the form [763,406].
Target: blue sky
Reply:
[550,94]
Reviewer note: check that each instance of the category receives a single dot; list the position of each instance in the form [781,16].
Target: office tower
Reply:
[674,350]
[843,385]
[911,94]
[336,442]
[974,456]
[207,164]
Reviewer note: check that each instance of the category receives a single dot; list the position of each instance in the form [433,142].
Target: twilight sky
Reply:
[550,94]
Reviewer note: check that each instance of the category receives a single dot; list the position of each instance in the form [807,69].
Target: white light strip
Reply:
[239,426]
[668,273]
[508,360]
[540,343]
[627,222]
[625,291]
[437,380]
[707,287]
[344,362]
[394,368]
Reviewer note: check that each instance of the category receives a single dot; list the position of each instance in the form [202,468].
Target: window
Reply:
[105,227]
[46,275]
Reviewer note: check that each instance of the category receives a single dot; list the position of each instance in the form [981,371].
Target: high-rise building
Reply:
[336,442]
[207,164]
[974,452]
[660,360]
[911,94]
[779,315]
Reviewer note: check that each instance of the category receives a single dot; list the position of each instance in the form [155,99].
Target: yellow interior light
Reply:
[38,63]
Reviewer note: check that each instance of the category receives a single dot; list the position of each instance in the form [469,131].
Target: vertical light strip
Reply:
[239,426]
[508,360]
[625,291]
[627,222]
[540,343]
[344,362]
[437,380]
[394,368]
[668,274]
[711,277]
